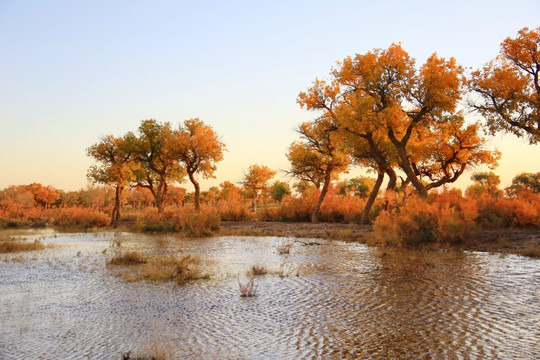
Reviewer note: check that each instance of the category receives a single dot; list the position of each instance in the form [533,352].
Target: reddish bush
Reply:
[335,208]
[79,217]
[446,217]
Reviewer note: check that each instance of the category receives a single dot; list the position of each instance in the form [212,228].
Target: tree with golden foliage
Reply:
[509,87]
[525,182]
[411,115]
[44,196]
[484,183]
[352,114]
[256,180]
[319,157]
[115,167]
[198,148]
[155,150]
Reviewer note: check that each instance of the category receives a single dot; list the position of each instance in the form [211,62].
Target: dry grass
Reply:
[533,249]
[159,348]
[248,289]
[258,270]
[128,258]
[180,269]
[8,245]
[288,269]
[284,248]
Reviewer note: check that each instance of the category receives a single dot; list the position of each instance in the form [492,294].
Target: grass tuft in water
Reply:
[128,258]
[248,289]
[257,270]
[178,268]
[11,246]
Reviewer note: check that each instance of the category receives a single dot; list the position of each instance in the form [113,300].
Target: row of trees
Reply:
[377,110]
[380,111]
[155,157]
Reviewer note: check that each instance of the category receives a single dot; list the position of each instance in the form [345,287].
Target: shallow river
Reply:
[333,300]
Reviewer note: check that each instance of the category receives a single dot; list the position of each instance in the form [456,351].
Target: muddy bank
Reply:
[512,241]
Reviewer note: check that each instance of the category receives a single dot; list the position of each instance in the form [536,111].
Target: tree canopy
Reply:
[198,148]
[116,166]
[256,179]
[508,87]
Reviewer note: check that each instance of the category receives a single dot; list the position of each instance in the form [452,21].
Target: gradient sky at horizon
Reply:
[72,71]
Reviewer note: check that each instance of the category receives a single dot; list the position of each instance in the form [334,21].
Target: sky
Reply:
[73,71]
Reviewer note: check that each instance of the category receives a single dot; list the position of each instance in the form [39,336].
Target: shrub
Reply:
[335,207]
[198,224]
[78,217]
[520,211]
[191,223]
[284,248]
[413,221]
[233,210]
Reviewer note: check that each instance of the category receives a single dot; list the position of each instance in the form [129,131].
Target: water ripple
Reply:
[347,303]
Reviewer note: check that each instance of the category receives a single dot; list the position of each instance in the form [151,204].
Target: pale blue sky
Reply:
[72,71]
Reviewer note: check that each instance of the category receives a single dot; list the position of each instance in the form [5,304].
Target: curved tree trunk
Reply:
[372,196]
[197,191]
[406,166]
[392,183]
[315,214]
[392,179]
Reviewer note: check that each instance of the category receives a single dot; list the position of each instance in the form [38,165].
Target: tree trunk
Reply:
[160,196]
[406,166]
[254,203]
[371,200]
[392,179]
[392,183]
[197,191]
[315,214]
[117,207]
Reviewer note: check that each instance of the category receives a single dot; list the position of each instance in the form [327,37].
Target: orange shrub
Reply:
[446,217]
[298,208]
[520,211]
[233,210]
[79,217]
[186,220]
[338,208]
[335,208]
[197,224]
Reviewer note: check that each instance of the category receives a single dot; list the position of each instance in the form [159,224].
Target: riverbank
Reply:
[520,241]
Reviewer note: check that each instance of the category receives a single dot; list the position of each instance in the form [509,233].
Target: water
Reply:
[347,302]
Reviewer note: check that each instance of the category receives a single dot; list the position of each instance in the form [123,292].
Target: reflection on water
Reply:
[63,303]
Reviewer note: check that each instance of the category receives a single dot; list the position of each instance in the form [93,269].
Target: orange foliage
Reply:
[79,217]
[191,223]
[445,217]
[335,208]
[523,210]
